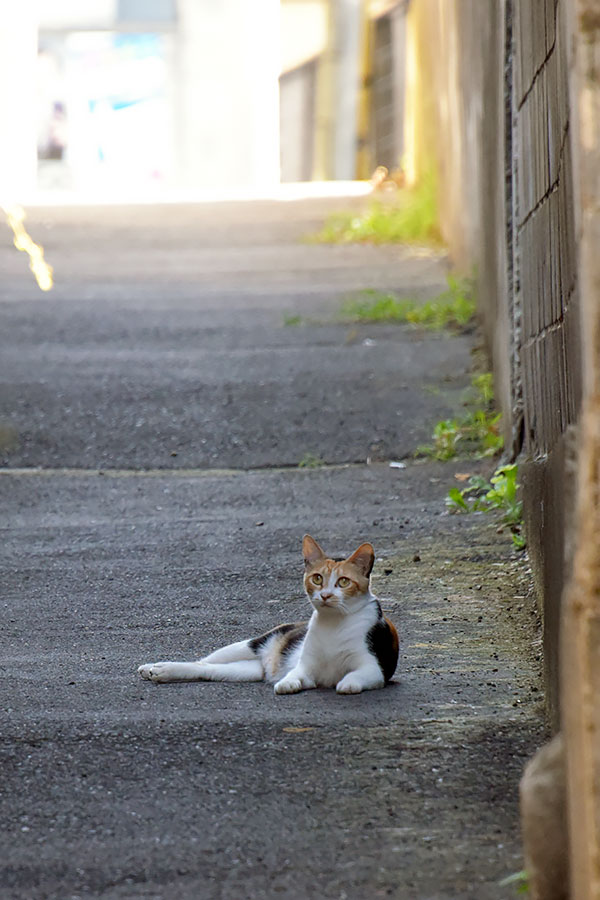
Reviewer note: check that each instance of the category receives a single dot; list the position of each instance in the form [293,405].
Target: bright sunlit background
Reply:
[109,98]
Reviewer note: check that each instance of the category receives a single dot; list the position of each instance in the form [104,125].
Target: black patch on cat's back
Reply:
[293,637]
[382,641]
[293,631]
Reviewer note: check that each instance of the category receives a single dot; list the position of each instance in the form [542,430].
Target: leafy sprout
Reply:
[476,433]
[410,217]
[453,309]
[500,492]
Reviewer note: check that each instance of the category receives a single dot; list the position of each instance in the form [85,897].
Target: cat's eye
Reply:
[317,579]
[343,582]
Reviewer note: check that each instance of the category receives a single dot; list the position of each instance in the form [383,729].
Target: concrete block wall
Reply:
[544,226]
[546,296]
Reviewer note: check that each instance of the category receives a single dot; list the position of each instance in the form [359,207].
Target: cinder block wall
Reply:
[544,228]
[490,102]
[545,294]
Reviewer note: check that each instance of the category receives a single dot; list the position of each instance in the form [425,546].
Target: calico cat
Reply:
[347,643]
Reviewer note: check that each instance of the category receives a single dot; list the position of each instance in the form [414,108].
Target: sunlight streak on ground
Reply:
[15,216]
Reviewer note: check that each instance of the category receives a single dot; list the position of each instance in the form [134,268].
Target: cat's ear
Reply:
[311,551]
[363,559]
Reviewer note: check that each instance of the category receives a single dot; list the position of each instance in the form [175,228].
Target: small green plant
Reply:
[519,879]
[291,319]
[311,461]
[476,433]
[410,218]
[377,306]
[453,309]
[484,384]
[518,540]
[500,492]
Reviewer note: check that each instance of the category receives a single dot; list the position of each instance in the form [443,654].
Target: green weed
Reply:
[311,461]
[500,492]
[453,309]
[475,434]
[290,319]
[519,879]
[411,217]
[484,384]
[377,306]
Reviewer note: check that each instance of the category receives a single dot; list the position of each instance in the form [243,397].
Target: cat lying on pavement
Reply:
[347,643]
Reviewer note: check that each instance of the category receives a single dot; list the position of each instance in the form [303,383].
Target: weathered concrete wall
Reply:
[489,108]
[580,636]
[455,123]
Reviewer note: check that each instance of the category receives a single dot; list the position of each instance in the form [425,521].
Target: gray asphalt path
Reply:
[164,343]
[154,409]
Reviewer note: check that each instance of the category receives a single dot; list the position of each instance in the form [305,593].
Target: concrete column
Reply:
[338,90]
[228,106]
[18,101]
[346,36]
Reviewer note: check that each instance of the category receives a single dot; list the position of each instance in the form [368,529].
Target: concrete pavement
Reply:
[154,409]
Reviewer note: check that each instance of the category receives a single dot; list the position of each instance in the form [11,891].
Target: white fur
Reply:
[236,670]
[334,652]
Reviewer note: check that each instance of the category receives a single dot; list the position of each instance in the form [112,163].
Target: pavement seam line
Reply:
[182,473]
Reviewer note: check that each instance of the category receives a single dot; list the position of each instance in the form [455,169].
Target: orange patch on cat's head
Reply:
[311,551]
[363,559]
[356,568]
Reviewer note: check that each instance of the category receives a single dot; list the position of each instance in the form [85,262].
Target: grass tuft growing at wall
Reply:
[453,310]
[411,218]
[475,434]
[500,492]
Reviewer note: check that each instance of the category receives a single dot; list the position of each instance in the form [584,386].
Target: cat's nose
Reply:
[326,595]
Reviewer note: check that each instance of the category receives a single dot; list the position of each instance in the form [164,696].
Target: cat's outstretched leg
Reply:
[235,662]
[236,652]
[166,672]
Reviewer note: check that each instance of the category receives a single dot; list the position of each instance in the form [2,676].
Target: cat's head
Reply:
[341,584]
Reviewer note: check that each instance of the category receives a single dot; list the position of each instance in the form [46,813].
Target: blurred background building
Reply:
[136,95]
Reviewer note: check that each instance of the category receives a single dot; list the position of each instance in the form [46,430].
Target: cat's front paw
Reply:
[350,684]
[289,686]
[157,672]
[292,683]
